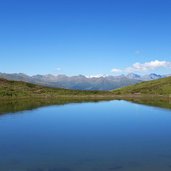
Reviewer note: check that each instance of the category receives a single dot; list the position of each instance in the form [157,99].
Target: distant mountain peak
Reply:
[133,76]
[152,76]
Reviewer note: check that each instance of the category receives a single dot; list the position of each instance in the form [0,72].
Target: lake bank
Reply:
[27,103]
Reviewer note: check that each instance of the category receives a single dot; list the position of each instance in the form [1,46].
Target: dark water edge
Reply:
[17,105]
[150,100]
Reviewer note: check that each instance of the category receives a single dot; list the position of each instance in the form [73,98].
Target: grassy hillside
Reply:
[23,89]
[14,89]
[155,87]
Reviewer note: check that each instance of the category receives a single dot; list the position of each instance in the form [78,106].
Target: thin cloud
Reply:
[115,70]
[96,76]
[58,69]
[147,66]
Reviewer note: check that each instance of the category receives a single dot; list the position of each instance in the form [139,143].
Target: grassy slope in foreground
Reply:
[155,87]
[23,89]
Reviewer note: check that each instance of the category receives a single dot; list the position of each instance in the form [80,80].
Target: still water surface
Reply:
[104,136]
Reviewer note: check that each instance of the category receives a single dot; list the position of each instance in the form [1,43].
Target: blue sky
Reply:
[86,37]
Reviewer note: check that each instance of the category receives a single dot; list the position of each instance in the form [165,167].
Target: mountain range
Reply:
[82,82]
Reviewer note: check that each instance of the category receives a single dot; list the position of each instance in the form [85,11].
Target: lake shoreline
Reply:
[107,96]
[33,102]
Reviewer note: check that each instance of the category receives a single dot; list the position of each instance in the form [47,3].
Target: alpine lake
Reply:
[90,135]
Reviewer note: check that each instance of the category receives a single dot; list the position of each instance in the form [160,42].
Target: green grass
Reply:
[155,87]
[18,89]
[14,89]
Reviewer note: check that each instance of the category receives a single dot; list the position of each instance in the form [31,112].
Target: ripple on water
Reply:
[50,169]
[60,169]
[36,169]
[115,168]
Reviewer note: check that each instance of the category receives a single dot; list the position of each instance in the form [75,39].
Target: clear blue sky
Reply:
[83,36]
